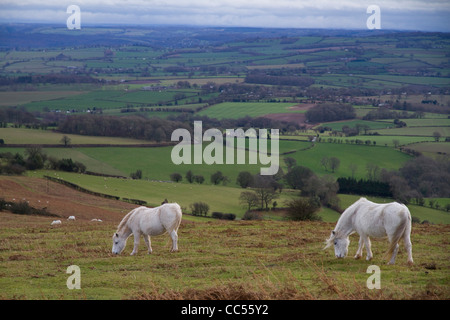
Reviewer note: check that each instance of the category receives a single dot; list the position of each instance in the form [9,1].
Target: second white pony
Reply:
[371,219]
[148,222]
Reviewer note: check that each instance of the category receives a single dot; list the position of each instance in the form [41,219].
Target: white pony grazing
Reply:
[148,222]
[371,219]
[55,222]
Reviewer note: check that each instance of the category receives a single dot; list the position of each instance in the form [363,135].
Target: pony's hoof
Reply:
[357,257]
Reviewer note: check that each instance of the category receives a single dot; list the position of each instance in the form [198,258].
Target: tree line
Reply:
[154,129]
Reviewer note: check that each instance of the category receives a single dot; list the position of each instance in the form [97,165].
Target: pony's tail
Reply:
[176,224]
[402,228]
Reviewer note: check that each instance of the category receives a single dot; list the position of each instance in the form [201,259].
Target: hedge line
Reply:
[98,194]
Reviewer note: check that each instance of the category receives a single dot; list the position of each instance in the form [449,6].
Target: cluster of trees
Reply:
[66,165]
[420,177]
[330,112]
[137,175]
[261,191]
[17,116]
[155,129]
[34,159]
[199,208]
[331,163]
[244,123]
[364,187]
[216,178]
[315,191]
[53,78]
[23,207]
[190,177]
[385,113]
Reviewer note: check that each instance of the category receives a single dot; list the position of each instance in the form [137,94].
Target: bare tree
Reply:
[396,143]
[334,163]
[66,141]
[249,199]
[436,136]
[353,167]
[325,162]
[373,171]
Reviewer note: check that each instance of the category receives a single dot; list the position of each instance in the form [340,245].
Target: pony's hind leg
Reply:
[174,237]
[394,254]
[148,243]
[408,247]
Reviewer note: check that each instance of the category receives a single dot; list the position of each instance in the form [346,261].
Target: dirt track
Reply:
[61,200]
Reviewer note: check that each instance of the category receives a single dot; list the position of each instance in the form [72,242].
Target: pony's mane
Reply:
[347,212]
[124,221]
[350,210]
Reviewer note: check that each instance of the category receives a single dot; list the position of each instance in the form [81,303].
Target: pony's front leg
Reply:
[174,237]
[360,248]
[148,243]
[136,243]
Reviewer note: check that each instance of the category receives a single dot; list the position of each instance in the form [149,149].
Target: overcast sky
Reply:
[432,15]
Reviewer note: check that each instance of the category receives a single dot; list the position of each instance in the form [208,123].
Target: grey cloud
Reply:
[344,14]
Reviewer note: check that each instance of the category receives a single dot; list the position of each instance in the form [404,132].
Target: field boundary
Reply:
[94,193]
[84,145]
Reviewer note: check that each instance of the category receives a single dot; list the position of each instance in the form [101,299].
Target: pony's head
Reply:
[118,243]
[340,244]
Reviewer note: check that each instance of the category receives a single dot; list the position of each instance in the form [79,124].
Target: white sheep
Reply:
[55,222]
[71,218]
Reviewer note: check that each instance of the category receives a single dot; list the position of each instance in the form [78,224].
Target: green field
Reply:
[19,98]
[432,148]
[421,212]
[235,110]
[107,98]
[359,155]
[353,123]
[383,140]
[415,131]
[219,198]
[156,163]
[35,136]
